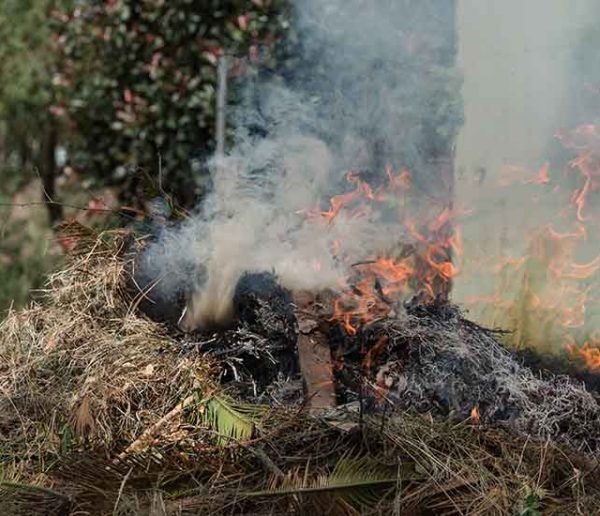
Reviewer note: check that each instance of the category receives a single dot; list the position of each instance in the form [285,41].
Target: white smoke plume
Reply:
[362,96]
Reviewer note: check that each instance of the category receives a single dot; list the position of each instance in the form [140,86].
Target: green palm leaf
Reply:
[231,420]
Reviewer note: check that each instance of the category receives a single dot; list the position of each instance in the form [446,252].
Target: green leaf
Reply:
[232,421]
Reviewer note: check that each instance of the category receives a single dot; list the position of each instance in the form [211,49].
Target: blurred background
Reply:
[106,103]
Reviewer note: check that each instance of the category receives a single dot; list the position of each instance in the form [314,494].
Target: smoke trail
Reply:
[371,85]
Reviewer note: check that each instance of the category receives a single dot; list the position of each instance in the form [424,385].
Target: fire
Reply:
[424,263]
[356,198]
[554,279]
[546,296]
[373,353]
[512,174]
[475,416]
[585,141]
[401,182]
[368,298]
[589,353]
[542,176]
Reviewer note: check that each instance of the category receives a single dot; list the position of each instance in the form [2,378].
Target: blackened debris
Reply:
[260,352]
[264,307]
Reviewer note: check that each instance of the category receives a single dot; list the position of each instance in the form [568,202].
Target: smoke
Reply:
[371,85]
[529,73]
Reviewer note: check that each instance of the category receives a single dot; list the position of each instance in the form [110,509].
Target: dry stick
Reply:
[141,442]
[121,488]
[266,461]
[124,211]
[314,356]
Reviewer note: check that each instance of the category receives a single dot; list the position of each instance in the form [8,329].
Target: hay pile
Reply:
[103,412]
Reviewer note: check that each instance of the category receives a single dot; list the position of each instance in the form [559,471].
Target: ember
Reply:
[423,262]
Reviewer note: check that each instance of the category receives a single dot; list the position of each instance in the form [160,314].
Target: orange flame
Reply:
[589,353]
[542,176]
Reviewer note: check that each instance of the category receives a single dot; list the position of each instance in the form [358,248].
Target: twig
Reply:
[121,488]
[366,262]
[221,106]
[141,442]
[160,184]
[266,461]
[122,210]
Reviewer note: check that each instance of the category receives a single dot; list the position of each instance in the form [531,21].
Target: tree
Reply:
[27,62]
[138,82]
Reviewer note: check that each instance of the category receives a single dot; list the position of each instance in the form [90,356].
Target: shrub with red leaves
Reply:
[138,80]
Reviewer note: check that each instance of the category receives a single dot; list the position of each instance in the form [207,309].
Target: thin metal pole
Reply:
[221,105]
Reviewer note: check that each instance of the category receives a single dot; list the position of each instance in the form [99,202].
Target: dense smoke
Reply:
[530,74]
[371,85]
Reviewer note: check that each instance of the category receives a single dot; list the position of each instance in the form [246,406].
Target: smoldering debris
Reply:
[298,133]
[101,407]
[430,359]
[259,346]
[426,358]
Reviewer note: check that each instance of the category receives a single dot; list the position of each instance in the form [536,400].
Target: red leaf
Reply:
[128,96]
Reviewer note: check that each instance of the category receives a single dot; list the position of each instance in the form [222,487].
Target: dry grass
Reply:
[82,369]
[102,412]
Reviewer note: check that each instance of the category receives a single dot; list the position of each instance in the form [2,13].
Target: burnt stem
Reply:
[315,357]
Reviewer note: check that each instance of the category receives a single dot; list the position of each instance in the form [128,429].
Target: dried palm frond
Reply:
[356,484]
[103,410]
[28,499]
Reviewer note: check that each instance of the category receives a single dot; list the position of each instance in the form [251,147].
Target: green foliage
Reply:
[533,503]
[27,62]
[138,80]
[232,421]
[24,240]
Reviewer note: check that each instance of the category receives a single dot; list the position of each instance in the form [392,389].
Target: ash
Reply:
[425,358]
[258,355]
[434,360]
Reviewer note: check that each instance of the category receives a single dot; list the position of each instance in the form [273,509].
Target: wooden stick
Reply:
[221,105]
[315,357]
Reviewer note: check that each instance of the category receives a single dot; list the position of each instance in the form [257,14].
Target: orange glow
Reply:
[376,284]
[542,177]
[438,260]
[580,197]
[367,299]
[589,353]
[372,354]
[401,182]
[412,229]
[356,201]
[475,416]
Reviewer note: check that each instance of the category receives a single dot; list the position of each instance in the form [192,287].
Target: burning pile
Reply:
[321,360]
[421,263]
[105,411]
